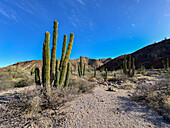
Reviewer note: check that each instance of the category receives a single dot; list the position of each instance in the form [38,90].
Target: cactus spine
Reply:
[46,61]
[53,53]
[125,65]
[67,75]
[63,51]
[129,65]
[63,69]
[84,70]
[37,76]
[133,67]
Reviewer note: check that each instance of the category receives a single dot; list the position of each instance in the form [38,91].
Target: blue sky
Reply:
[102,28]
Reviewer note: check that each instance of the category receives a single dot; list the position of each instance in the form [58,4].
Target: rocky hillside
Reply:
[90,63]
[149,56]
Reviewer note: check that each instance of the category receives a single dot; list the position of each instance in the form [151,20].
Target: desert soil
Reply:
[104,109]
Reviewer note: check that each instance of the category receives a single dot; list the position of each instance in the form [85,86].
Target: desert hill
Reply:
[90,63]
[149,56]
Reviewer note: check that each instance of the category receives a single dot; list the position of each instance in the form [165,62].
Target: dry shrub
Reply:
[35,108]
[80,85]
[155,96]
[15,77]
[128,85]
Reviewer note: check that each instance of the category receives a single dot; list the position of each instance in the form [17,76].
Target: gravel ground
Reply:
[104,109]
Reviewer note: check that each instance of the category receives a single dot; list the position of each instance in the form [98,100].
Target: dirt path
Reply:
[104,109]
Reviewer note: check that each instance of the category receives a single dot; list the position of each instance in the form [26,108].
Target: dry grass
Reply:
[155,96]
[15,77]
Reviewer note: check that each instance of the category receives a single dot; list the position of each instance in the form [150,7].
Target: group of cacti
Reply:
[81,70]
[54,72]
[127,71]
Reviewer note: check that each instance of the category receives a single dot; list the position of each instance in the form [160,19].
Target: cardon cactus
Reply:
[66,58]
[53,52]
[46,61]
[67,75]
[63,51]
[37,76]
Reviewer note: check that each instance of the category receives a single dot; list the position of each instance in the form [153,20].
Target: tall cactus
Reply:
[67,75]
[46,61]
[63,51]
[133,67]
[37,76]
[53,52]
[125,65]
[64,65]
[129,65]
[84,70]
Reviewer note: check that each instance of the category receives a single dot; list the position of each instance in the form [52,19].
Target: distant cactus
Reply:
[63,51]
[95,72]
[129,65]
[167,64]
[57,79]
[133,67]
[67,75]
[46,61]
[125,66]
[84,70]
[81,66]
[37,76]
[66,58]
[79,69]
[164,65]
[53,53]
[106,75]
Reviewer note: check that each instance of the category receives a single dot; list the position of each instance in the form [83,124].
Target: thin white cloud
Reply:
[167,15]
[3,12]
[81,2]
